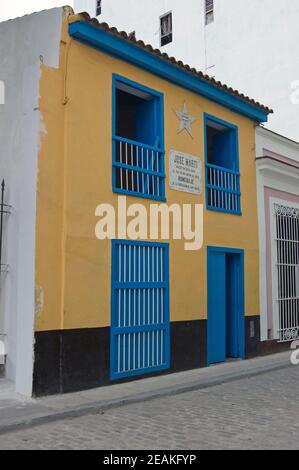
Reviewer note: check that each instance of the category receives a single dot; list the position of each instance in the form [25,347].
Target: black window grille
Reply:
[209,13]
[99,7]
[166,29]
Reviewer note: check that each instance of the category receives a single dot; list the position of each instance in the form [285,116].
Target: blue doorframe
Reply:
[226,306]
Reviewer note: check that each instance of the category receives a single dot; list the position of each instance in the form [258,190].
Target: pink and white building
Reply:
[278,205]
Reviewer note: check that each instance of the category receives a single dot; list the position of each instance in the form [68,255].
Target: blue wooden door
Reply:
[140,308]
[216,307]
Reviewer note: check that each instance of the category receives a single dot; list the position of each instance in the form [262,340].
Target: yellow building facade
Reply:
[196,307]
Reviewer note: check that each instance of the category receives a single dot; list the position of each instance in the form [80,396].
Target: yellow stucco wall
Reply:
[75,165]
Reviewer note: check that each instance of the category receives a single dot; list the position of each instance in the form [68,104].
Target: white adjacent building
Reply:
[250,45]
[26,44]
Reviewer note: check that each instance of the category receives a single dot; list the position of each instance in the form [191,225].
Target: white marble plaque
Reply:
[185,172]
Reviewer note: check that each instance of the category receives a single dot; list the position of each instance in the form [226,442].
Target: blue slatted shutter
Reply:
[140,308]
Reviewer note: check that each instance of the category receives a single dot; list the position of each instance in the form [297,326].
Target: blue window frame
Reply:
[222,166]
[138,140]
[139,341]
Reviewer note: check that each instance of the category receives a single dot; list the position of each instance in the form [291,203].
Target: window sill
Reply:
[124,192]
[224,211]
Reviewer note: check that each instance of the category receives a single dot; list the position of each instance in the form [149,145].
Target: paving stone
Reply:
[257,413]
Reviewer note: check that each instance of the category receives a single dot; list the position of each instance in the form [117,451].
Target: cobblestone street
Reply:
[260,412]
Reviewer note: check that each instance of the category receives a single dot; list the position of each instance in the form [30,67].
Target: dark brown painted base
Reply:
[188,345]
[273,347]
[70,360]
[252,337]
[74,360]
[254,346]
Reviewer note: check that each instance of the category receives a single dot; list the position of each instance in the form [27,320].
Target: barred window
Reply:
[222,166]
[286,265]
[209,12]
[99,7]
[166,29]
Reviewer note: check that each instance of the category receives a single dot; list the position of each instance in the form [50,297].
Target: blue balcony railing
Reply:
[223,189]
[138,169]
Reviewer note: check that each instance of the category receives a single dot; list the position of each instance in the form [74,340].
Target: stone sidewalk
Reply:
[17,412]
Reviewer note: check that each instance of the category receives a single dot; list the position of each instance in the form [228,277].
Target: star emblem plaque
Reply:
[186,120]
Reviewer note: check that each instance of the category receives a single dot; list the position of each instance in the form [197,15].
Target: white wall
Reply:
[143,16]
[10,9]
[24,42]
[251,45]
[84,5]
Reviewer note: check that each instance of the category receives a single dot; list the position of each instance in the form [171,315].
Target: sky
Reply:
[14,8]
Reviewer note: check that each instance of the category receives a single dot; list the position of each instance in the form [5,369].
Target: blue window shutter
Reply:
[140,324]
[223,193]
[138,164]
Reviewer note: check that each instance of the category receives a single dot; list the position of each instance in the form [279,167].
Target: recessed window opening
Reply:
[138,154]
[209,10]
[221,146]
[137,115]
[222,166]
[99,7]
[166,29]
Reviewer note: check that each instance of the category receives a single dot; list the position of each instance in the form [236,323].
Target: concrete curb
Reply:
[101,406]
